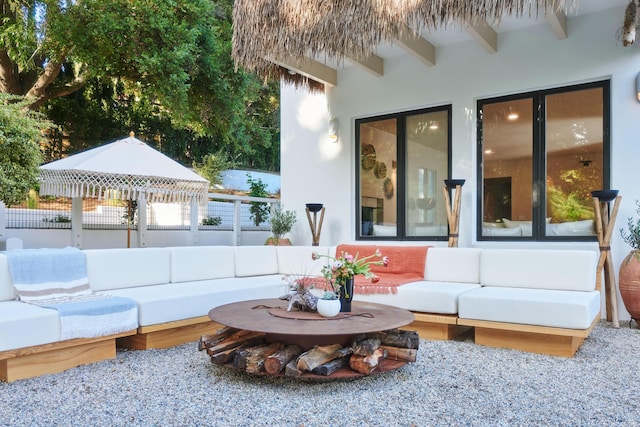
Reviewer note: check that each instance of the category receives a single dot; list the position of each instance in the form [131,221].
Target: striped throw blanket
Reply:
[57,279]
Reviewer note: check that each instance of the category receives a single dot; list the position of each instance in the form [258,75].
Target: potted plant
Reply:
[328,305]
[281,223]
[629,274]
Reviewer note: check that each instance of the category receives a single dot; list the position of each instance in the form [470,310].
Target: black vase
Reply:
[346,295]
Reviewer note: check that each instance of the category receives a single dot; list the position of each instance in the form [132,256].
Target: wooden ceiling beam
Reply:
[372,64]
[558,22]
[309,68]
[484,34]
[417,46]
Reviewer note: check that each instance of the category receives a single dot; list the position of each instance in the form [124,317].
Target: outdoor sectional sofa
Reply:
[528,299]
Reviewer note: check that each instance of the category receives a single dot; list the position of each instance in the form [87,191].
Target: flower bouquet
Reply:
[341,270]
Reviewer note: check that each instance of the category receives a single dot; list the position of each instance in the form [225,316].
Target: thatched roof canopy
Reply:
[265,30]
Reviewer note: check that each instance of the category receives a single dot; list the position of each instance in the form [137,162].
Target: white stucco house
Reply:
[427,107]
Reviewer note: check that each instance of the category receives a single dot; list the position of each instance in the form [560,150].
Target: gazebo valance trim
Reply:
[66,183]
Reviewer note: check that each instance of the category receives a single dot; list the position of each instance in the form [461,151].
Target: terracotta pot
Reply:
[629,283]
[272,241]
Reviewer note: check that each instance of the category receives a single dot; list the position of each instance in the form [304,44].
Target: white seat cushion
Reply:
[7,291]
[25,325]
[541,307]
[453,265]
[171,302]
[427,297]
[127,268]
[189,263]
[255,260]
[297,260]
[572,270]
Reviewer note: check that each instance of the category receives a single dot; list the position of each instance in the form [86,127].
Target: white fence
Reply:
[225,220]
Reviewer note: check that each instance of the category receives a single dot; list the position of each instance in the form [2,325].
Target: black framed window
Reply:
[403,160]
[540,154]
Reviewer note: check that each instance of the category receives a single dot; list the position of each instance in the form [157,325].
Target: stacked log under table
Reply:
[260,337]
[368,353]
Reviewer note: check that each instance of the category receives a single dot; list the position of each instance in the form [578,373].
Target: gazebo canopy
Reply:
[125,169]
[267,32]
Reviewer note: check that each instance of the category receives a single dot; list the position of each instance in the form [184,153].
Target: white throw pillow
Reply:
[493,225]
[384,230]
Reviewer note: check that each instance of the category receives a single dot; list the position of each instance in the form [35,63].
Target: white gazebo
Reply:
[127,169]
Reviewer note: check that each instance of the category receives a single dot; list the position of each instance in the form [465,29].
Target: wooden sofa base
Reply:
[51,358]
[532,339]
[437,326]
[169,334]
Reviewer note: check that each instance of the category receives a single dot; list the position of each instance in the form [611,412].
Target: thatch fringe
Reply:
[265,29]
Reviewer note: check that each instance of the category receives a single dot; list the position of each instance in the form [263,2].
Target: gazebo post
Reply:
[76,222]
[142,221]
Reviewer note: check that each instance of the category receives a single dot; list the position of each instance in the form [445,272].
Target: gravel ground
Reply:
[453,383]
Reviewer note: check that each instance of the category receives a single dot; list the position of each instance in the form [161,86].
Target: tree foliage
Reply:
[161,68]
[20,134]
[212,165]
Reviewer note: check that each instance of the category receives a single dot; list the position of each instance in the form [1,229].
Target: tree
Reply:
[161,68]
[212,165]
[20,133]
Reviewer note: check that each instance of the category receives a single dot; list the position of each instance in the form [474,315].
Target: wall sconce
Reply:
[638,87]
[334,131]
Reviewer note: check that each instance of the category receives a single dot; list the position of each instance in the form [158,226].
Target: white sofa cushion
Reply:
[572,228]
[7,291]
[573,270]
[26,325]
[256,260]
[427,297]
[169,302]
[542,307]
[453,265]
[127,268]
[190,263]
[297,260]
[502,232]
[384,230]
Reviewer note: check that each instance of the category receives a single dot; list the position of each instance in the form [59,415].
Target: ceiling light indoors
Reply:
[513,116]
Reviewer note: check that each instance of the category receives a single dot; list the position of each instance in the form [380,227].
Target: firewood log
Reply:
[397,353]
[366,346]
[367,364]
[398,338]
[208,341]
[256,356]
[235,340]
[223,357]
[317,356]
[275,363]
[291,370]
[331,366]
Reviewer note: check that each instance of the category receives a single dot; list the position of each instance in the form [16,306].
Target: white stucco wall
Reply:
[315,169]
